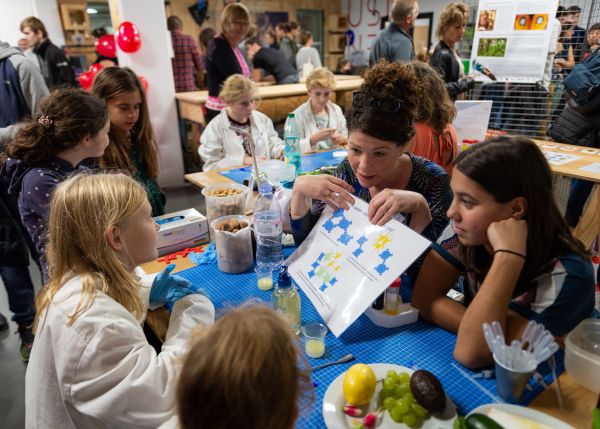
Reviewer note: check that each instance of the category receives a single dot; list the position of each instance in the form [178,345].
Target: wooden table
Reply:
[588,228]
[276,101]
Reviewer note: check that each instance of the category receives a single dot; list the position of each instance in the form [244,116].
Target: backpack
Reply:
[13,106]
[582,85]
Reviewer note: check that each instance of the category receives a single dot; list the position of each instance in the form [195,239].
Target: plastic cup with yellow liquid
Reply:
[264,278]
[314,339]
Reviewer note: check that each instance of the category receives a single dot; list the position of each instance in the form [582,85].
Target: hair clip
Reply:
[45,121]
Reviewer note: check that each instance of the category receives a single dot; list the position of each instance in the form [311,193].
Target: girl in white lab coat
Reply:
[320,122]
[222,147]
[91,365]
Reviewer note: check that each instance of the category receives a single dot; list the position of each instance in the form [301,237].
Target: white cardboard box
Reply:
[180,230]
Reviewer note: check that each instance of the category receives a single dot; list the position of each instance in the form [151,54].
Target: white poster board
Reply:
[472,119]
[346,262]
[512,38]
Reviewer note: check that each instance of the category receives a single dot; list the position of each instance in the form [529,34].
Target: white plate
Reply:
[333,403]
[528,413]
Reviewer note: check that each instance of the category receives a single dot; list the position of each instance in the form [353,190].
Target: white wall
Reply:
[153,61]
[12,12]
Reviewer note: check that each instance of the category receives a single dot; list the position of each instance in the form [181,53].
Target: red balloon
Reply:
[128,37]
[86,79]
[106,46]
[95,68]
[144,82]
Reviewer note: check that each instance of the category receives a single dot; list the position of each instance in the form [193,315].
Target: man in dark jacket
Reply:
[54,64]
[581,129]
[271,61]
[394,43]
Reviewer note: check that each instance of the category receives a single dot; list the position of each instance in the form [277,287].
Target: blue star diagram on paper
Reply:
[327,263]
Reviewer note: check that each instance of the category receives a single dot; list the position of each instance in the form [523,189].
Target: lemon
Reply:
[359,384]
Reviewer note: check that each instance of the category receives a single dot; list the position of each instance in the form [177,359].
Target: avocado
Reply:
[428,391]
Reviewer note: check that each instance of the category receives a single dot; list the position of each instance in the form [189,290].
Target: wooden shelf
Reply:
[75,17]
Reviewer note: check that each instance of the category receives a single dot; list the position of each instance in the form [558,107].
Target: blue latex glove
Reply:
[167,288]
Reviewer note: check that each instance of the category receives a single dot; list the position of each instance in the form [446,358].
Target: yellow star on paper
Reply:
[382,241]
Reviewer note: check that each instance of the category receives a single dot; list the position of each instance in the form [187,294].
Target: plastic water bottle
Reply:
[291,137]
[286,301]
[267,229]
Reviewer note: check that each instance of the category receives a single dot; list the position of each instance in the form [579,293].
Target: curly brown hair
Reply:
[69,114]
[392,81]
[436,109]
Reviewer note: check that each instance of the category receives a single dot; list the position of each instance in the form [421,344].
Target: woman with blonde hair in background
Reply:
[222,147]
[224,57]
[91,365]
[445,59]
[435,138]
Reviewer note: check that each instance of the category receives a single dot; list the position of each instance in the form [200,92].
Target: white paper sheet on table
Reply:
[556,158]
[346,262]
[592,168]
[472,119]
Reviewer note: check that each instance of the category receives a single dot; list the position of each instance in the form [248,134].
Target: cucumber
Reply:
[481,421]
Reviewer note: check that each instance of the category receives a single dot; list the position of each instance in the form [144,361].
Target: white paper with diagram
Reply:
[346,262]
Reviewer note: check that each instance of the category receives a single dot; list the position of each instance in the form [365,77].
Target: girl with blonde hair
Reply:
[236,375]
[435,138]
[133,145]
[321,123]
[221,147]
[91,365]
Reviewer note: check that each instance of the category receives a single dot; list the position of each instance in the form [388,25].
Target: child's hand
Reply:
[168,288]
[508,234]
[324,134]
[338,139]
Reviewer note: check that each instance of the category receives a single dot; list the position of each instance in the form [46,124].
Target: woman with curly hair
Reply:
[379,169]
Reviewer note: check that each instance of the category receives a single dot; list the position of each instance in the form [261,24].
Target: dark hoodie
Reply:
[34,185]
[56,68]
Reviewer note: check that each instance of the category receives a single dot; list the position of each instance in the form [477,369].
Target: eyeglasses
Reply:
[387,103]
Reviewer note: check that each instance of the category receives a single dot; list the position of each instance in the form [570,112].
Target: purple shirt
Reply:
[35,185]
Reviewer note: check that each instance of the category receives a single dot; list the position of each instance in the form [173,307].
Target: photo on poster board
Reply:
[346,262]
[512,39]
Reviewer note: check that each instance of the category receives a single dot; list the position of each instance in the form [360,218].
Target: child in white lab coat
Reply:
[320,122]
[244,372]
[91,365]
[221,147]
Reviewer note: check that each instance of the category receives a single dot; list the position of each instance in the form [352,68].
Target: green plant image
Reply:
[491,47]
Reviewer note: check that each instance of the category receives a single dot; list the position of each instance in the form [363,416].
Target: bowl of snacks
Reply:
[224,199]
[232,236]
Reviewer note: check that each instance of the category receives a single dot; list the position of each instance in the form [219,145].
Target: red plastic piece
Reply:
[183,253]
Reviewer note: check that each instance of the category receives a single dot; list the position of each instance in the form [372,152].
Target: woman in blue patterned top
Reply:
[519,259]
[379,168]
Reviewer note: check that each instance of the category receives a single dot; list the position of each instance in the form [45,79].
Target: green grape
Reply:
[402,389]
[398,391]
[396,415]
[404,377]
[409,419]
[389,383]
[392,374]
[403,406]
[418,410]
[408,396]
[385,393]
[389,403]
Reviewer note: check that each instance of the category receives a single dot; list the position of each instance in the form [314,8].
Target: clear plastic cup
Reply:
[234,247]
[510,383]
[264,277]
[314,339]
[224,199]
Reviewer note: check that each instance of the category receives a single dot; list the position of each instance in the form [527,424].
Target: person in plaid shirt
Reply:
[186,58]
